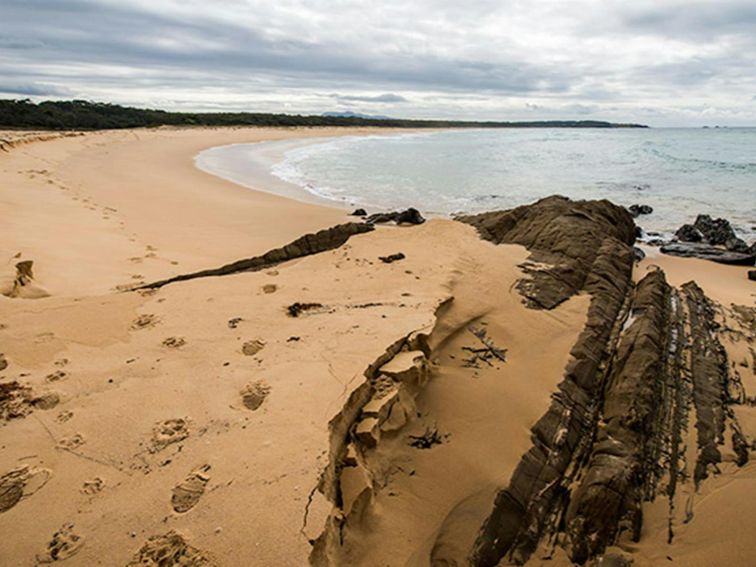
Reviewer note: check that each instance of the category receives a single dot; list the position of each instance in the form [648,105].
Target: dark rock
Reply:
[638,254]
[610,490]
[568,235]
[359,213]
[638,210]
[313,243]
[295,309]
[709,373]
[408,216]
[689,233]
[707,252]
[714,231]
[588,244]
[392,258]
[752,275]
[638,232]
[737,245]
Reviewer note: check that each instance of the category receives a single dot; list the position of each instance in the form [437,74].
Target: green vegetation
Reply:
[84,115]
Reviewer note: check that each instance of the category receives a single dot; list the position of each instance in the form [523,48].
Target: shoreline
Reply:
[360,181]
[252,165]
[311,410]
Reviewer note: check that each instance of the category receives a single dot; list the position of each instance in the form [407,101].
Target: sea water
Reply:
[680,172]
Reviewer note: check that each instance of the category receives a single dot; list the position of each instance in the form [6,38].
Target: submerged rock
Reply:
[637,210]
[359,213]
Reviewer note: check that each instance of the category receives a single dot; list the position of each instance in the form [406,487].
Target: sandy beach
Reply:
[207,421]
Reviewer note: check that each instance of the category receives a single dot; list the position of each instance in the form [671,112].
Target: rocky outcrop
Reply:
[708,367]
[614,434]
[608,499]
[314,243]
[567,238]
[717,232]
[647,373]
[536,496]
[711,239]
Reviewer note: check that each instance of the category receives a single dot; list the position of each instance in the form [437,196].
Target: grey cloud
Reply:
[83,32]
[485,58]
[386,97]
[32,89]
[694,19]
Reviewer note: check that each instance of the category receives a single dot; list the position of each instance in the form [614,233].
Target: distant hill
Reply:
[85,115]
[350,114]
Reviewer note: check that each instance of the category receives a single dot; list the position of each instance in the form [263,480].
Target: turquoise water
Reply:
[679,172]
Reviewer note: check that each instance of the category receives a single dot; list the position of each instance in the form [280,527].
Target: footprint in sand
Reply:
[64,544]
[64,416]
[253,395]
[144,321]
[251,348]
[56,376]
[187,493]
[174,342]
[169,549]
[61,362]
[70,443]
[269,288]
[3,362]
[93,486]
[167,432]
[19,483]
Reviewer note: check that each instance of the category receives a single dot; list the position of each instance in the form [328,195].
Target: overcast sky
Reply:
[661,62]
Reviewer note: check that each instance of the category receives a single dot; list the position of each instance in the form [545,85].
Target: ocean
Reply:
[680,172]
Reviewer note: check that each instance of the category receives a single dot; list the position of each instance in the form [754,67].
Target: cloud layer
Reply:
[663,63]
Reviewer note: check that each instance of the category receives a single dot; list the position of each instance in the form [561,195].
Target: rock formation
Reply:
[321,241]
[647,369]
[407,216]
[647,358]
[568,241]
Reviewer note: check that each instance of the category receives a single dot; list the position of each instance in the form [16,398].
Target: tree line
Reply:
[86,115]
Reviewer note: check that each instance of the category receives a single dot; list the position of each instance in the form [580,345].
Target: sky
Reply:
[658,62]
